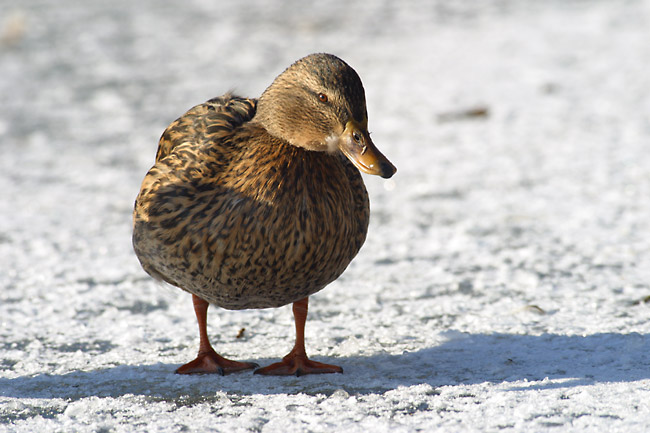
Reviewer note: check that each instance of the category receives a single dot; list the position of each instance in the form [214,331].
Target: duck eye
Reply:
[322,97]
[356,136]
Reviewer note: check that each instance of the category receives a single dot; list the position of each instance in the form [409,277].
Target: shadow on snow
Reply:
[463,359]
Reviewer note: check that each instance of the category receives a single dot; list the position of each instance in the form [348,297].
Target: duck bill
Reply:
[356,145]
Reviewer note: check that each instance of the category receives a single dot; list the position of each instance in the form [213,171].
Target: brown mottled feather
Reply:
[221,115]
[243,219]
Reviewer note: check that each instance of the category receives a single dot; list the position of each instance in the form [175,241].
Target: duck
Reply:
[260,203]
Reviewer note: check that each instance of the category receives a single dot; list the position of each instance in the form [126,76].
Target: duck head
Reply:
[319,104]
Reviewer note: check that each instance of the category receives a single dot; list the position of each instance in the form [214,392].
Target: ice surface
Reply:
[505,282]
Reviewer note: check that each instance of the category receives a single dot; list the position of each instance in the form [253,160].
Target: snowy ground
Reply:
[505,282]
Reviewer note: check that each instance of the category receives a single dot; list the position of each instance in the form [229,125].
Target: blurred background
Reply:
[501,108]
[521,134]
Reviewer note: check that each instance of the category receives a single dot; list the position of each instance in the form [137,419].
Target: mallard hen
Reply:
[259,203]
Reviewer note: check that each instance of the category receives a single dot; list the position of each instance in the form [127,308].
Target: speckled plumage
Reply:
[259,203]
[241,218]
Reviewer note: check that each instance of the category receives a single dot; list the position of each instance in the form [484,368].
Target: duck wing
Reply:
[213,120]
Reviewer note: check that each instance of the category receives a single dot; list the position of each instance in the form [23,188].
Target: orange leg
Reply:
[209,361]
[296,362]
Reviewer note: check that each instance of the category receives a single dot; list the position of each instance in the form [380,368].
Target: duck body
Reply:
[258,203]
[243,219]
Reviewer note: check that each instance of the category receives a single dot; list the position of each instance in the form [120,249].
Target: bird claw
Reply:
[299,366]
[213,363]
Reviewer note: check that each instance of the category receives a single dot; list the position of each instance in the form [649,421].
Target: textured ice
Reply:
[505,282]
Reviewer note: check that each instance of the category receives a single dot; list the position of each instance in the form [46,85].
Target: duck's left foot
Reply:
[210,362]
[298,366]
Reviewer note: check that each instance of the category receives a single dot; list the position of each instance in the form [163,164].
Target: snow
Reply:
[505,280]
